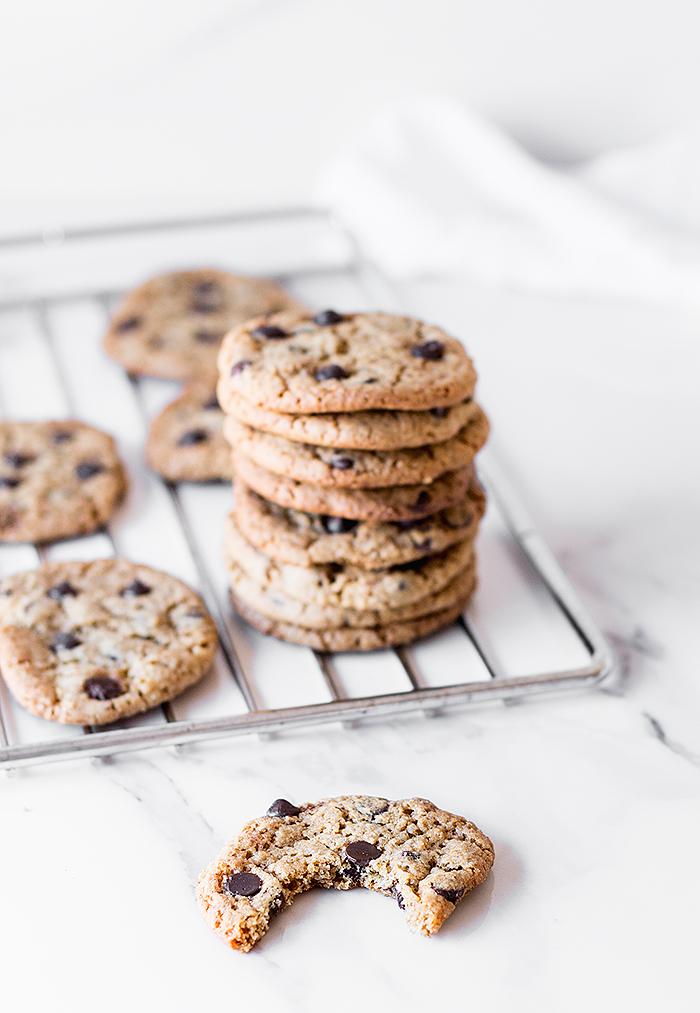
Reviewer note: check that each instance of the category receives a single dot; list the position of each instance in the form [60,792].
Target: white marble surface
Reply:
[593,801]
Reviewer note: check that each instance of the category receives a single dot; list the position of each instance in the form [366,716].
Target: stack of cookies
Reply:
[356,503]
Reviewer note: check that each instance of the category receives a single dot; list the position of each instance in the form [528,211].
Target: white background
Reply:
[141,106]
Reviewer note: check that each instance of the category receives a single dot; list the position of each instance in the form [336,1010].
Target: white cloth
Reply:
[430,187]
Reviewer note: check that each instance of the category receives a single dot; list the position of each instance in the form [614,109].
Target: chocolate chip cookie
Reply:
[186,441]
[424,858]
[348,587]
[172,325]
[57,480]
[295,362]
[370,430]
[305,539]
[396,503]
[87,643]
[358,469]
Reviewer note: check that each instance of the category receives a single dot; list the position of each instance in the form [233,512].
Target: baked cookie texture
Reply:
[88,643]
[172,325]
[294,362]
[186,440]
[57,480]
[424,858]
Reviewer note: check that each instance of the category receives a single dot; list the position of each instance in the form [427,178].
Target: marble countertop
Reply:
[592,800]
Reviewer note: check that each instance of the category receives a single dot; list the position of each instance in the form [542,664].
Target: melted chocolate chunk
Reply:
[431,350]
[281,807]
[331,372]
[338,525]
[136,589]
[65,642]
[9,483]
[270,332]
[407,525]
[413,566]
[341,463]
[192,437]
[18,460]
[423,499]
[440,413]
[239,366]
[452,895]
[60,591]
[88,469]
[127,324]
[103,687]
[361,853]
[243,884]
[326,318]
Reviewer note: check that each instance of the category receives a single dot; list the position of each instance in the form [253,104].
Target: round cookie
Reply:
[398,503]
[87,643]
[422,857]
[358,469]
[348,586]
[57,480]
[370,430]
[186,440]
[303,539]
[280,607]
[293,362]
[172,325]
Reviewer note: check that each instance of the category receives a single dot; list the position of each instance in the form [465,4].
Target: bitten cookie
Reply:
[397,503]
[358,469]
[348,586]
[305,539]
[370,430]
[424,858]
[57,480]
[87,643]
[172,325]
[293,362]
[186,441]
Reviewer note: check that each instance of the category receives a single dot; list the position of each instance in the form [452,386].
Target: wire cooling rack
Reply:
[524,633]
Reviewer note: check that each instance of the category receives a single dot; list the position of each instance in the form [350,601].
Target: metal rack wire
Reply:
[175,725]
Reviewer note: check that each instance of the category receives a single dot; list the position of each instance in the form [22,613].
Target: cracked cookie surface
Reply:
[425,858]
[87,643]
[297,363]
[186,440]
[172,326]
[57,480]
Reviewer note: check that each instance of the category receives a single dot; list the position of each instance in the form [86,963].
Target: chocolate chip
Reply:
[270,332]
[452,895]
[62,436]
[18,460]
[60,591]
[328,317]
[127,324]
[88,469]
[206,297]
[432,350]
[103,687]
[65,642]
[207,337]
[398,898]
[200,306]
[440,413]
[212,404]
[193,436]
[204,288]
[413,855]
[341,463]
[413,566]
[243,884]
[407,525]
[423,499]
[194,614]
[361,853]
[281,807]
[136,589]
[331,372]
[338,525]
[9,483]
[239,366]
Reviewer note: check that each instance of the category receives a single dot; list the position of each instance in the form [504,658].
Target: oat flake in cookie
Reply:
[87,643]
[172,325]
[57,480]
[186,441]
[294,362]
[424,858]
